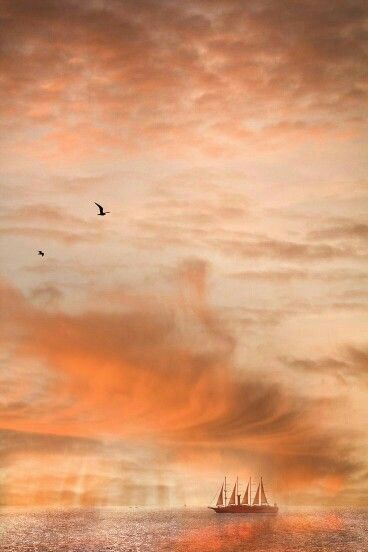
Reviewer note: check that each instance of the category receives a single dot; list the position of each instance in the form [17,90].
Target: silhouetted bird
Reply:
[102,213]
[41,253]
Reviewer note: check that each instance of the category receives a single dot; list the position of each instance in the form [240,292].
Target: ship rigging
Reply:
[246,504]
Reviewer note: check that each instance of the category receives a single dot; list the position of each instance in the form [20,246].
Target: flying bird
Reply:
[41,253]
[102,213]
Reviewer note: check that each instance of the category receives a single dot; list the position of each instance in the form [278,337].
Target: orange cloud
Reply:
[163,370]
[174,76]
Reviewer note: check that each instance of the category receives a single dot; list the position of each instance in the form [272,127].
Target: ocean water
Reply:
[186,530]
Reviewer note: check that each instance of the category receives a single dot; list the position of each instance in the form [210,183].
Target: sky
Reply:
[215,322]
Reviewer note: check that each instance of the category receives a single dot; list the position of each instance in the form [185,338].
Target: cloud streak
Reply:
[352,364]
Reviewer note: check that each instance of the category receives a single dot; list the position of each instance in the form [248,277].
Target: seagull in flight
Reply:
[102,213]
[41,253]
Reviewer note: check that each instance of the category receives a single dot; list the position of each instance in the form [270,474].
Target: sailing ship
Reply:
[243,505]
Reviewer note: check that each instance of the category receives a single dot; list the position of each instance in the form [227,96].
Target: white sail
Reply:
[263,494]
[232,500]
[246,496]
[220,500]
[256,498]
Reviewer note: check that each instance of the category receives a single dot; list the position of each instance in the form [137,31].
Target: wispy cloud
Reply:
[174,74]
[115,375]
[352,363]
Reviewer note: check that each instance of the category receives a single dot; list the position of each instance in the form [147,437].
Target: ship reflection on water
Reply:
[288,533]
[185,530]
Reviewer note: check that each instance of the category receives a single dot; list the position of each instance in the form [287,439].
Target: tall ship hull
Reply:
[244,509]
[246,504]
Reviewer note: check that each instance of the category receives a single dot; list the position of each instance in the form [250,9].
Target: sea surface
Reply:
[186,530]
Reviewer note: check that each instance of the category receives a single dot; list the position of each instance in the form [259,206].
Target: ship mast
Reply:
[225,491]
[250,490]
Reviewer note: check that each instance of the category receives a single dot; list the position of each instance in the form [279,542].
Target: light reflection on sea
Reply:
[187,530]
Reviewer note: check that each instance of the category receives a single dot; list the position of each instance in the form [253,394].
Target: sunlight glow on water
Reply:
[138,530]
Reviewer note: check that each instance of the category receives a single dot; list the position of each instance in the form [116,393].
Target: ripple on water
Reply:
[144,530]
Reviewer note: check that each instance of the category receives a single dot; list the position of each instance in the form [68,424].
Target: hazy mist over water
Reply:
[190,530]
